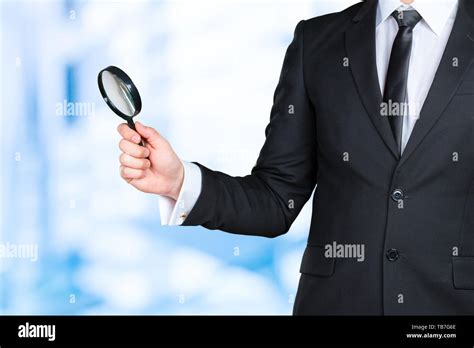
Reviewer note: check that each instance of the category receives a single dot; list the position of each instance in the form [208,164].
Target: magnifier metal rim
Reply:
[132,89]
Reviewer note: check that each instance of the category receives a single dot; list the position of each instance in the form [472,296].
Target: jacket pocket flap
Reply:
[315,263]
[463,273]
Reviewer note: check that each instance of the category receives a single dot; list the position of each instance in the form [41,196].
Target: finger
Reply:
[127,133]
[150,134]
[131,174]
[123,176]
[137,163]
[133,150]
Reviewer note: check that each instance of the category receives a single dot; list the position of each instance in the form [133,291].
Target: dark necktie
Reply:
[395,94]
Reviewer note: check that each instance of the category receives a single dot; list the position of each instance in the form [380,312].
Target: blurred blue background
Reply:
[200,66]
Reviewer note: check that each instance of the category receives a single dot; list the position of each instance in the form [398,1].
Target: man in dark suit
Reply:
[374,108]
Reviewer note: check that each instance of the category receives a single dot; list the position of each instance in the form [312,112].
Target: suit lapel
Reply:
[360,49]
[455,63]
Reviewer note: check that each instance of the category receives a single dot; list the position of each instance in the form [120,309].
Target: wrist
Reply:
[177,184]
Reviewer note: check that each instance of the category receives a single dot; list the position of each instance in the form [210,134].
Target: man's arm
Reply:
[266,202]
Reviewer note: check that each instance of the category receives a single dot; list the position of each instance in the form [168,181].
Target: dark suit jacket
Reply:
[419,242]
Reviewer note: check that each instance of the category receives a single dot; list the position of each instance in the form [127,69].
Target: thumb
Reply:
[150,135]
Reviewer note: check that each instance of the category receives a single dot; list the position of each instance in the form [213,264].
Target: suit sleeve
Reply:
[267,202]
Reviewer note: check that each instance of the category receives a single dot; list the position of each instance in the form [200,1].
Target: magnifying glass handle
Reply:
[131,124]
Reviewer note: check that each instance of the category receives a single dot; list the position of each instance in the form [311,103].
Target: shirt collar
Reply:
[434,12]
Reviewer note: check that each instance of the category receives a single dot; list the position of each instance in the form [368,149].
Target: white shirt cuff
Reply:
[174,213]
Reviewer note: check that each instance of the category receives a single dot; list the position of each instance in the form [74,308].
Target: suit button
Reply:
[397,195]
[392,255]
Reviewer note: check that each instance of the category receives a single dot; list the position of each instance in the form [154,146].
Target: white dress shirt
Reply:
[430,37]
[173,213]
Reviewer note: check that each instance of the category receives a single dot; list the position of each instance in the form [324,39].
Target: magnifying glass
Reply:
[120,94]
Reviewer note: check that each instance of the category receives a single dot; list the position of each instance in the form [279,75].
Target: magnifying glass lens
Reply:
[118,93]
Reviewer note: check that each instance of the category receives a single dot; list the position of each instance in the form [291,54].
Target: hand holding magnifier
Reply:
[120,94]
